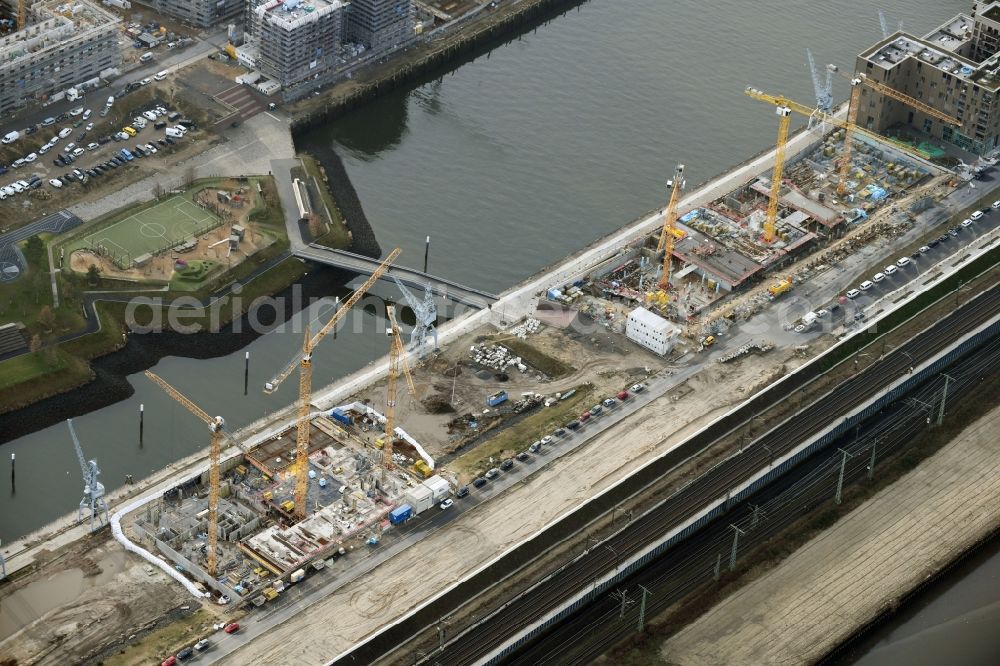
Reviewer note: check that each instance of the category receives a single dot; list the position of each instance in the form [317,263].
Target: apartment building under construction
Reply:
[62,45]
[954,68]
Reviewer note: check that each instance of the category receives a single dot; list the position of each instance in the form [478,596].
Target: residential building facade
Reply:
[62,46]
[200,13]
[955,69]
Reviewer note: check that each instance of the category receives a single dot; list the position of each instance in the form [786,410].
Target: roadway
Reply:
[491,633]
[409,276]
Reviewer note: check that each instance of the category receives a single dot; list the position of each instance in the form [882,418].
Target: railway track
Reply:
[594,629]
[473,645]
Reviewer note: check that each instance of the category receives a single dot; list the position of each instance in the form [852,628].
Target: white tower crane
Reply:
[824,93]
[93,490]
[426,314]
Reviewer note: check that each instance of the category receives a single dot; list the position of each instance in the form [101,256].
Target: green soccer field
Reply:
[152,230]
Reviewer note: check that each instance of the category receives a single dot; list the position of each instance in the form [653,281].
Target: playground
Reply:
[151,231]
[182,239]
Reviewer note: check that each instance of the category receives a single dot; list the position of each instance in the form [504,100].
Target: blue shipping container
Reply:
[400,514]
[497,398]
[338,415]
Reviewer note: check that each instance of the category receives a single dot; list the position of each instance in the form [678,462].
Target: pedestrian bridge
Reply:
[408,276]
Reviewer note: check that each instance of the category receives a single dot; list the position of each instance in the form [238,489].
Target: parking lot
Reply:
[907,268]
[81,145]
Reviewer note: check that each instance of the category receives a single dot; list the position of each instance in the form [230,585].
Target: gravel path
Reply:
[819,596]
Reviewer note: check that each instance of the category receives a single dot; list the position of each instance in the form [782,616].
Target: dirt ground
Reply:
[818,597]
[605,362]
[90,593]
[211,246]
[362,606]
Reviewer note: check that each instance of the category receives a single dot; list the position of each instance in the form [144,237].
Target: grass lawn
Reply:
[337,237]
[30,377]
[27,366]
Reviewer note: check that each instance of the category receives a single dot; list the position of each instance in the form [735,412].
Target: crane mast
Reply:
[852,116]
[216,426]
[397,358]
[771,223]
[667,238]
[857,81]
[93,490]
[303,361]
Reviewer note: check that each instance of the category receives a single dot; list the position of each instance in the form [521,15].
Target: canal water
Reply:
[508,162]
[954,621]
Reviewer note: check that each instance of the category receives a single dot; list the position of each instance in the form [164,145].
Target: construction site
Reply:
[705,257]
[326,482]
[337,480]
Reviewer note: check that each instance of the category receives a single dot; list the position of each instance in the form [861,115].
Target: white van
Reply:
[866,285]
[159,76]
[171,132]
[11,137]
[111,100]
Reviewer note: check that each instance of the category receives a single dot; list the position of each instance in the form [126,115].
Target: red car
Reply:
[169,661]
[232,627]
[623,395]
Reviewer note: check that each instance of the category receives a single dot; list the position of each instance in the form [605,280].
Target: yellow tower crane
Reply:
[397,357]
[303,361]
[771,223]
[22,14]
[785,103]
[667,237]
[852,115]
[217,426]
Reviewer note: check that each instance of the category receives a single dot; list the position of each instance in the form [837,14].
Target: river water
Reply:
[508,162]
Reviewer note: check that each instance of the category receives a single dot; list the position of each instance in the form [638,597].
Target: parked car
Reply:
[201,645]
[878,277]
[978,215]
[185,653]
[903,261]
[31,157]
[65,132]
[446,504]
[492,473]
[889,270]
[462,492]
[523,455]
[232,627]
[638,388]
[966,223]
[76,111]
[479,482]
[48,122]
[866,285]
[852,293]
[86,114]
[506,464]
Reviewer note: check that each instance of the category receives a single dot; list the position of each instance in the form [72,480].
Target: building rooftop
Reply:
[952,35]
[291,14]
[53,23]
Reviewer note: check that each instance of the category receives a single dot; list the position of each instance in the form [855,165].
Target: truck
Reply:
[341,417]
[297,575]
[497,398]
[778,288]
[400,514]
